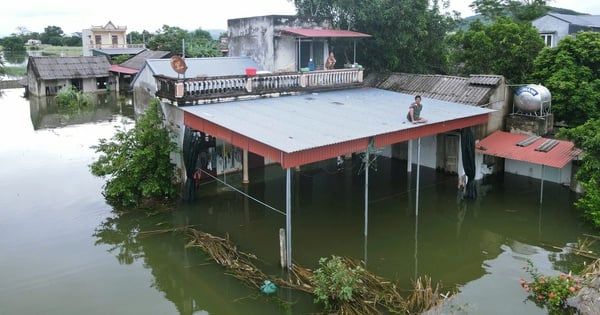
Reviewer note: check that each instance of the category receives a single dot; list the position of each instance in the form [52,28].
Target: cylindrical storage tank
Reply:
[532,98]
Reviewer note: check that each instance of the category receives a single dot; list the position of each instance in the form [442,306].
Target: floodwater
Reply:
[64,251]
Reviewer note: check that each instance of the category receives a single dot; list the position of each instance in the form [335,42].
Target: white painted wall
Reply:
[428,151]
[550,25]
[551,174]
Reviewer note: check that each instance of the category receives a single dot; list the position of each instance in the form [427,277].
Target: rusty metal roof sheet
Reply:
[524,148]
[475,90]
[121,69]
[53,68]
[309,32]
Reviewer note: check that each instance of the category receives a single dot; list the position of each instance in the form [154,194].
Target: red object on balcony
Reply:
[250,71]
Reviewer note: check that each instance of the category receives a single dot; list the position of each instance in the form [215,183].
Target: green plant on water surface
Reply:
[550,291]
[335,281]
[137,162]
[69,98]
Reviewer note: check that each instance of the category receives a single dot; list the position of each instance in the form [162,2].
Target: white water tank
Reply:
[532,98]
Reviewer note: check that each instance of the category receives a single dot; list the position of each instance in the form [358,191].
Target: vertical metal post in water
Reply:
[288,217]
[542,183]
[418,172]
[366,192]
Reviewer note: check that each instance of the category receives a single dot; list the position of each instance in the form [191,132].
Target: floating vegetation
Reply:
[375,295]
[69,98]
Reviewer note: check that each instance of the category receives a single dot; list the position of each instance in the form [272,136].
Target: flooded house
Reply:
[47,75]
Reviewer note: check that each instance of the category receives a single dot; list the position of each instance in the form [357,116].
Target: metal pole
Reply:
[418,172]
[288,217]
[354,52]
[542,185]
[366,192]
[409,157]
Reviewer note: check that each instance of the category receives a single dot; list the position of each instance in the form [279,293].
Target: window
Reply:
[547,39]
[115,41]
[98,41]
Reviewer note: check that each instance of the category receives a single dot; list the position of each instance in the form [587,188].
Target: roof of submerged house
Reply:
[474,90]
[53,68]
[304,128]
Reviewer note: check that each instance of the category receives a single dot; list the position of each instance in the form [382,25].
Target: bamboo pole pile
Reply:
[373,296]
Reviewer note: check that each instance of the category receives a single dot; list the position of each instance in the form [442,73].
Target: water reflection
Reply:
[45,113]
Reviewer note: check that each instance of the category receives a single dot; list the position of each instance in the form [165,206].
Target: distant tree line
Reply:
[198,43]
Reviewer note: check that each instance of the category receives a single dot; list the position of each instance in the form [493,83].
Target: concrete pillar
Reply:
[245,179]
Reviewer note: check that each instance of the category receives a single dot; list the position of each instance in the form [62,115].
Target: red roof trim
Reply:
[121,69]
[308,32]
[503,144]
[292,159]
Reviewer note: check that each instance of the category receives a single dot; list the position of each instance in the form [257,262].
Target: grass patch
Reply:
[61,51]
[14,71]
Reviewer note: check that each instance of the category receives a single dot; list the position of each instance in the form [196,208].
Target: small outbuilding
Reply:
[47,75]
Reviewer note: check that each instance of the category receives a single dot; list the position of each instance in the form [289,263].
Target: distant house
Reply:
[144,83]
[126,70]
[553,26]
[47,75]
[109,40]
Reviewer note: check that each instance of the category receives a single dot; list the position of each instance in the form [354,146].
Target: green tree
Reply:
[571,71]
[518,10]
[138,162]
[504,48]
[587,137]
[52,35]
[197,43]
[13,44]
[408,35]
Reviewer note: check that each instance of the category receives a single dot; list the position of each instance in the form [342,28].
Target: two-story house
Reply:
[554,26]
[109,39]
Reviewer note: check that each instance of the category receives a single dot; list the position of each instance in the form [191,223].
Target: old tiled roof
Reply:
[53,68]
[530,149]
[136,62]
[475,90]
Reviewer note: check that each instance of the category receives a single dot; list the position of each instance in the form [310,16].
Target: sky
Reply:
[73,16]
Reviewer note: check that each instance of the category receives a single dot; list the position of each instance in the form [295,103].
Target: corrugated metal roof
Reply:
[335,121]
[53,68]
[136,62]
[581,20]
[201,67]
[309,32]
[473,91]
[504,144]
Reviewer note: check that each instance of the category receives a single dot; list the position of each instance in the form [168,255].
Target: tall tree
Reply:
[519,10]
[407,34]
[52,35]
[571,71]
[504,48]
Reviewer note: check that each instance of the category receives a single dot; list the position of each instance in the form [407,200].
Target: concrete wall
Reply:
[551,174]
[530,125]
[260,38]
[551,25]
[500,101]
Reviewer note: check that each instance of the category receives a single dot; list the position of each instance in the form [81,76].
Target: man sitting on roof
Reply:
[414,111]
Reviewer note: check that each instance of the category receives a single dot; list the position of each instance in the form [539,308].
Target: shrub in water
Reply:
[335,281]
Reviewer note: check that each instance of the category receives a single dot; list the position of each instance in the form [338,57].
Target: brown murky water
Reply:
[63,251]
